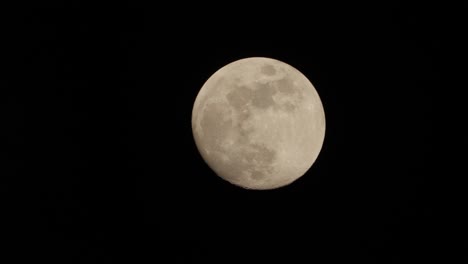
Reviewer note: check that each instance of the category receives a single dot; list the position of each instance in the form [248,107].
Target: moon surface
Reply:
[258,123]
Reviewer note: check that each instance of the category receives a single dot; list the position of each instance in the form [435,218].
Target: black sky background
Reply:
[102,166]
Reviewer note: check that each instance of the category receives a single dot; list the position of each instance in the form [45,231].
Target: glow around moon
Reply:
[258,123]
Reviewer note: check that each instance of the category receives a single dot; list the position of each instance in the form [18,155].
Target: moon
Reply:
[258,123]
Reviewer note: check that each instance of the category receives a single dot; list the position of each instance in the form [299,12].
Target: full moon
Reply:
[258,123]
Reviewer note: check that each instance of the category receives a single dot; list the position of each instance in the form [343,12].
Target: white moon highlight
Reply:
[258,123]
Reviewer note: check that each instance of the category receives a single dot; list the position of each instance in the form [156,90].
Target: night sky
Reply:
[101,165]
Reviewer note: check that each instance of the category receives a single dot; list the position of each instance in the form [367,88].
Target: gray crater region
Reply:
[258,123]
